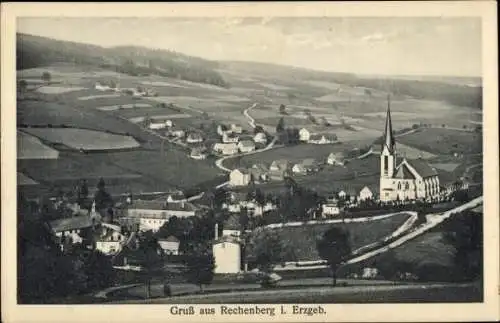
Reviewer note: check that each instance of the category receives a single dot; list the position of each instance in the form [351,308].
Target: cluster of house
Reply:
[93,229]
[238,201]
[232,143]
[317,138]
[279,169]
[135,92]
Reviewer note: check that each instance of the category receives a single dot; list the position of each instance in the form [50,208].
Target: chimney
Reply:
[216,231]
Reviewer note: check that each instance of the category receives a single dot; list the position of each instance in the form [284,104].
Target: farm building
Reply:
[246,146]
[304,135]
[101,87]
[299,169]
[226,149]
[170,245]
[72,229]
[194,137]
[322,139]
[455,186]
[279,169]
[159,124]
[410,180]
[260,138]
[152,215]
[336,159]
[230,137]
[227,255]
[258,173]
[239,177]
[198,153]
[365,194]
[236,128]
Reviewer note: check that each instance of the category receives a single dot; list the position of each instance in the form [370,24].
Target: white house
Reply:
[111,242]
[365,194]
[100,87]
[152,215]
[329,209]
[222,129]
[229,137]
[226,149]
[194,137]
[299,169]
[336,159]
[170,245]
[246,146]
[260,138]
[322,139]
[239,177]
[342,194]
[236,128]
[304,135]
[227,256]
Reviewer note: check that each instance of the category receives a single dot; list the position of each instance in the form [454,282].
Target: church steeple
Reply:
[388,140]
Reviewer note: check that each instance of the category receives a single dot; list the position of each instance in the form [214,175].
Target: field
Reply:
[363,112]
[301,241]
[29,147]
[444,141]
[83,139]
[23,180]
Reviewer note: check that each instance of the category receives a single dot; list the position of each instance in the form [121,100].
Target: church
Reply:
[411,179]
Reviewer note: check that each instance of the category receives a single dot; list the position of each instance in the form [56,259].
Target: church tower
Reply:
[387,158]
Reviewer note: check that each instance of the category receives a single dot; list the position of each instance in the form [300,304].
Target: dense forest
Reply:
[34,51]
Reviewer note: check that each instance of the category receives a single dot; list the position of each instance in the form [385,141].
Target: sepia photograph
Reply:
[249,160]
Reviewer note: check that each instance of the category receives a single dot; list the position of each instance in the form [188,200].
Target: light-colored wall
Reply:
[238,179]
[227,256]
[108,247]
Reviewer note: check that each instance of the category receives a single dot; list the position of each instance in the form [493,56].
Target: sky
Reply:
[374,46]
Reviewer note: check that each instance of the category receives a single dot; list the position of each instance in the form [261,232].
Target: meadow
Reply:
[30,147]
[444,141]
[300,242]
[84,139]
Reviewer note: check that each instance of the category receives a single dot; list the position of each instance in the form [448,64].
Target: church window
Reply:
[386,164]
[399,186]
[407,186]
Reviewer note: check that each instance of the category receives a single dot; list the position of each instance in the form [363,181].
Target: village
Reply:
[223,219]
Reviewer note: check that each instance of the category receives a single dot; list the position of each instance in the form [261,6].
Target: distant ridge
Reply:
[36,51]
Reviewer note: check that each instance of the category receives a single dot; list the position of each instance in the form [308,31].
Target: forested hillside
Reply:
[34,51]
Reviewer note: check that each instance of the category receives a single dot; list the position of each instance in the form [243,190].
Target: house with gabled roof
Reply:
[246,146]
[239,177]
[169,245]
[336,158]
[230,137]
[194,137]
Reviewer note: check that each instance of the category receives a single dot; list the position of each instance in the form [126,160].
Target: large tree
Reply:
[334,247]
[102,198]
[151,258]
[465,233]
[265,249]
[280,127]
[200,267]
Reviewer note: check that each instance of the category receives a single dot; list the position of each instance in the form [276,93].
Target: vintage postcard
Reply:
[232,162]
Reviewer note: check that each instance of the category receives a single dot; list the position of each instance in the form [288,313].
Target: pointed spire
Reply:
[388,135]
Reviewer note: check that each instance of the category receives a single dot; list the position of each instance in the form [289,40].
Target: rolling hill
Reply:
[35,51]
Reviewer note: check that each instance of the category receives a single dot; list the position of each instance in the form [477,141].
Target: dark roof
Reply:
[315,137]
[422,167]
[282,164]
[309,162]
[170,239]
[402,172]
[247,143]
[162,205]
[388,139]
[260,166]
[73,223]
[232,223]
